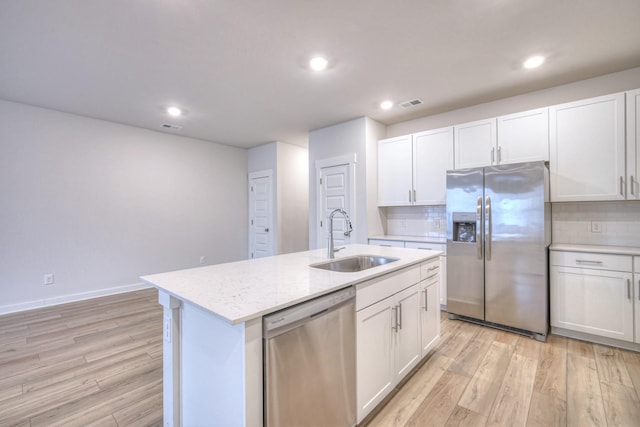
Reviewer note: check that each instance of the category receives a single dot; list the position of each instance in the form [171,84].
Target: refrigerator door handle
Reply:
[487,228]
[479,227]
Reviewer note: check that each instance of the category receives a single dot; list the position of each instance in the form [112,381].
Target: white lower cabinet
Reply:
[636,288]
[429,313]
[391,328]
[593,294]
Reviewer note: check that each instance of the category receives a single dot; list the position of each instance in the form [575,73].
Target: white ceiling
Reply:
[239,68]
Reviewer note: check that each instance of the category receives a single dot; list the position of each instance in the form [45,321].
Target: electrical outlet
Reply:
[403,223]
[596,227]
[48,279]
[203,259]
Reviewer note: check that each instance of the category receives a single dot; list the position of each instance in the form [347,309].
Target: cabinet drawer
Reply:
[430,269]
[636,264]
[427,246]
[374,290]
[380,242]
[591,260]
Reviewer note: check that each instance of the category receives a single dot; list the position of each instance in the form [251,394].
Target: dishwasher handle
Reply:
[293,317]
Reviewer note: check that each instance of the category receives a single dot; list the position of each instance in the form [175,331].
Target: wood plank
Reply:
[441,401]
[471,355]
[551,376]
[580,348]
[621,404]
[508,338]
[458,340]
[511,406]
[462,417]
[547,411]
[403,405]
[611,365]
[485,383]
[584,397]
[529,347]
[632,362]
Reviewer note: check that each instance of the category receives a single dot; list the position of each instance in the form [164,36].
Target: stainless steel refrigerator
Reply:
[498,234]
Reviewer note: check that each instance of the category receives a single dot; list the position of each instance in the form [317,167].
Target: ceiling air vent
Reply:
[412,103]
[170,126]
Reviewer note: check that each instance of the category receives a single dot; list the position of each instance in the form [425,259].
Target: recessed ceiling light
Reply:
[174,111]
[318,63]
[533,62]
[385,105]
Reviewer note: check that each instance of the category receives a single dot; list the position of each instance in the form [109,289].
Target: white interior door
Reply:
[261,242]
[335,192]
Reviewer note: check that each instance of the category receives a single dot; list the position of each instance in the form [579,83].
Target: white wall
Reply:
[376,219]
[293,198]
[609,83]
[98,204]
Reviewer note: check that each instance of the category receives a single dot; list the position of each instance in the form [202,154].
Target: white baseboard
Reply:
[63,299]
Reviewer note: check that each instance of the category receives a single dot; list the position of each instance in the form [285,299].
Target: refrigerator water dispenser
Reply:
[464,227]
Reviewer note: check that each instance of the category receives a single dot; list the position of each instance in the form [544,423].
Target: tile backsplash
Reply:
[596,223]
[424,221]
[584,223]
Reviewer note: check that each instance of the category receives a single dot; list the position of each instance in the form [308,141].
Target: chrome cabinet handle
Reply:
[587,261]
[622,186]
[479,227]
[409,196]
[487,243]
[633,193]
[414,195]
[426,301]
[628,288]
[499,155]
[394,326]
[400,316]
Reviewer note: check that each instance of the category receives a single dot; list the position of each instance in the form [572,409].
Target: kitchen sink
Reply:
[354,264]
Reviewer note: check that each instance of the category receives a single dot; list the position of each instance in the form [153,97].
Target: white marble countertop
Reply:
[403,238]
[619,250]
[244,290]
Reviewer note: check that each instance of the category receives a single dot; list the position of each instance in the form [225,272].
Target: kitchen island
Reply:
[213,326]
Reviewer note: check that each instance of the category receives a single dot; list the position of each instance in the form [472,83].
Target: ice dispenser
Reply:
[464,227]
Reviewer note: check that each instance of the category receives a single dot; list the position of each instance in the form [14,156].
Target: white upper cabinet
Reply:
[633,144]
[474,144]
[432,157]
[395,179]
[412,168]
[523,137]
[587,151]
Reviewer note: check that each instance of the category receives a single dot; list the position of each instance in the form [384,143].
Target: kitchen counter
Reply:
[212,326]
[246,290]
[616,250]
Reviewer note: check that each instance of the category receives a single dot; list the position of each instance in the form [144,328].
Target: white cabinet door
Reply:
[429,314]
[636,281]
[523,137]
[597,302]
[474,144]
[407,331]
[432,157]
[395,179]
[633,146]
[443,282]
[587,149]
[375,369]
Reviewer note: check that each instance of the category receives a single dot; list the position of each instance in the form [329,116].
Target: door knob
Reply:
[266,230]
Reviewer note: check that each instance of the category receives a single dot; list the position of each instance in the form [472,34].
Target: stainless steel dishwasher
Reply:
[309,360]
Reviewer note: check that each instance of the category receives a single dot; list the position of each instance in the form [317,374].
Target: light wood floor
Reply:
[91,363]
[484,377]
[99,363]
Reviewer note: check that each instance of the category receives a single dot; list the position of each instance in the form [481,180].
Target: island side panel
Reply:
[170,359]
[219,370]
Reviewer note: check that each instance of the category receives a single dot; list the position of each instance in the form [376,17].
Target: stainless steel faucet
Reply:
[330,249]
